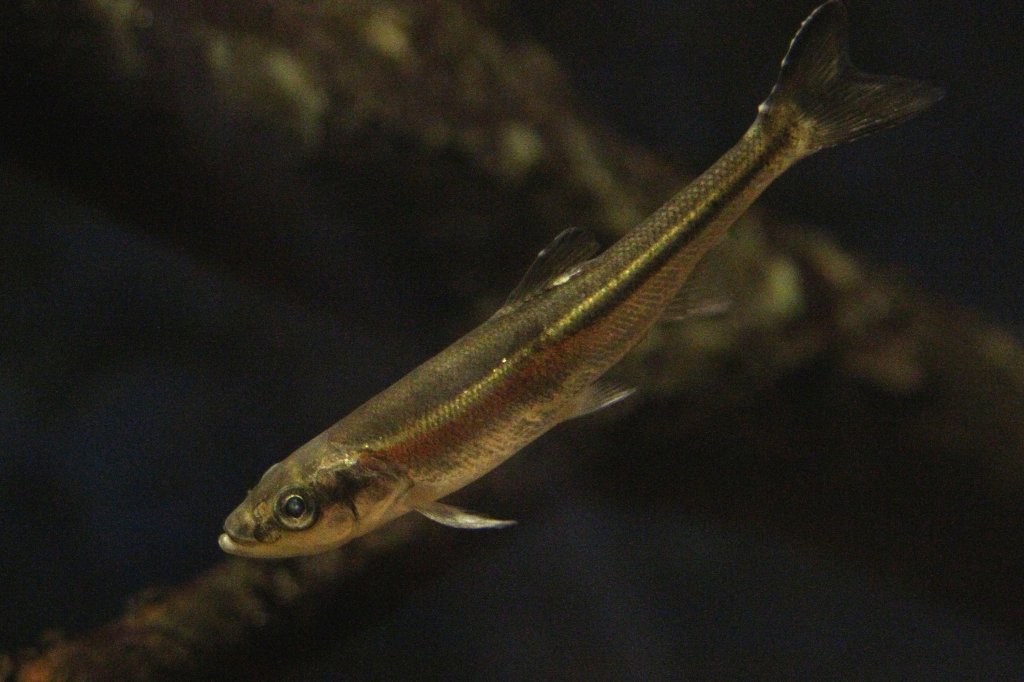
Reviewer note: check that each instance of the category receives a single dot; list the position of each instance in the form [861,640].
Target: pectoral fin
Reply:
[459,518]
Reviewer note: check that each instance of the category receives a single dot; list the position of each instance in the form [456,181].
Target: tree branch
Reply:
[835,404]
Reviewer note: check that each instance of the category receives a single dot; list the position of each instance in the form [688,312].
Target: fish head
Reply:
[311,502]
[285,515]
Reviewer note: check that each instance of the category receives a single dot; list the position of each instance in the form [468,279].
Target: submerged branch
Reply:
[835,405]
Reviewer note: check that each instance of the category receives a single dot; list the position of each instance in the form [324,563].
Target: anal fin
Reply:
[706,293]
[693,302]
[599,395]
[457,517]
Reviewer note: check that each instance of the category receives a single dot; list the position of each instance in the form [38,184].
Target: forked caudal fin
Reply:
[833,101]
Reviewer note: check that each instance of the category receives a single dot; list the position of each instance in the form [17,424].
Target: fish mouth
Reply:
[254,549]
[238,546]
[244,536]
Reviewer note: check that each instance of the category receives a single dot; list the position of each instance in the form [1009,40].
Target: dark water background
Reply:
[142,389]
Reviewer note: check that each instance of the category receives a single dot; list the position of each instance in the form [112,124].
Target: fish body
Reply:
[540,359]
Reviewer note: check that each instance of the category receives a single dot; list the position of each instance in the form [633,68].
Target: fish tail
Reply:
[825,100]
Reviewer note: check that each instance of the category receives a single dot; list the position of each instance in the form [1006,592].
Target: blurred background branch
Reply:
[382,170]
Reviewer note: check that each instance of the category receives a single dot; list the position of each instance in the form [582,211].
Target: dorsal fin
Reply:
[559,259]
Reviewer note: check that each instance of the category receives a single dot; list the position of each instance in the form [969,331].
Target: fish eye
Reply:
[296,509]
[294,506]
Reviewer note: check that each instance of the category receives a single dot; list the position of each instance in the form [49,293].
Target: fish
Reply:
[542,358]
